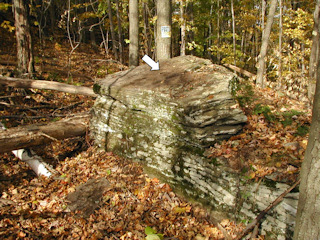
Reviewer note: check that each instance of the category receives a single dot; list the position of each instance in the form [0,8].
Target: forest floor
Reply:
[134,205]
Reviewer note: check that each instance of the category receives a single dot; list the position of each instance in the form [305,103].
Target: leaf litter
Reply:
[131,203]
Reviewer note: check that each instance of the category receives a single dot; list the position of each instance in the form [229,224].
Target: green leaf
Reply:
[149,231]
[153,237]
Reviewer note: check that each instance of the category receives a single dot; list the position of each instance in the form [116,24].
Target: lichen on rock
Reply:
[167,118]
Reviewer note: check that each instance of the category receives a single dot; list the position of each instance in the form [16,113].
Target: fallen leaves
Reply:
[132,203]
[273,140]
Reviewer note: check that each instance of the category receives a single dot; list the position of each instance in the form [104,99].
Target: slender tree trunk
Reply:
[52,11]
[183,30]
[280,46]
[314,53]
[120,33]
[113,35]
[218,32]
[146,29]
[233,34]
[263,14]
[210,30]
[163,48]
[134,33]
[308,215]
[264,46]
[191,22]
[23,36]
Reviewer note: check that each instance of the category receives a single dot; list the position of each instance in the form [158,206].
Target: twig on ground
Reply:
[265,211]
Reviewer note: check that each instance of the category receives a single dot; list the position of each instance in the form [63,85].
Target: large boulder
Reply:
[167,118]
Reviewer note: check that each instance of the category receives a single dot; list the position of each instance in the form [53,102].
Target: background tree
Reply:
[120,34]
[23,37]
[233,32]
[183,30]
[280,45]
[113,34]
[134,33]
[314,52]
[308,215]
[264,46]
[163,41]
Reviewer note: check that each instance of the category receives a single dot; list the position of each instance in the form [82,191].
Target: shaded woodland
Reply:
[68,45]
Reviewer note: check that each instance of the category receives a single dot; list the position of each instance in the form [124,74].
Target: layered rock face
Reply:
[167,118]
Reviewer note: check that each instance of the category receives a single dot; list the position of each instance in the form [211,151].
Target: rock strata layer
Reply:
[167,118]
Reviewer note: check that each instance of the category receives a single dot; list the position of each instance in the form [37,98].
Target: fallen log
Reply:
[47,85]
[34,135]
[239,70]
[34,161]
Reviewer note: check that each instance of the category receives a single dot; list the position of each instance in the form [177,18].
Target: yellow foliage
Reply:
[7,25]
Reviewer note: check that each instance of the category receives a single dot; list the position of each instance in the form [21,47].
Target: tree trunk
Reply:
[113,35]
[191,24]
[23,36]
[218,32]
[52,12]
[308,215]
[263,14]
[33,135]
[280,46]
[48,85]
[163,48]
[120,33]
[314,53]
[146,29]
[183,30]
[233,34]
[134,33]
[264,46]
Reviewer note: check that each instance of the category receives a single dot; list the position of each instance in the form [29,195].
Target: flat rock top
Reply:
[176,77]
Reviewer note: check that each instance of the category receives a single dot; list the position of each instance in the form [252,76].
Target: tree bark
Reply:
[163,48]
[146,29]
[33,135]
[265,42]
[308,215]
[120,33]
[280,46]
[134,33]
[314,53]
[113,35]
[218,32]
[23,37]
[263,13]
[233,34]
[183,30]
[48,85]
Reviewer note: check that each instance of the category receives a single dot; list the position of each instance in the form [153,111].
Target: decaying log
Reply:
[48,85]
[239,70]
[33,135]
[32,159]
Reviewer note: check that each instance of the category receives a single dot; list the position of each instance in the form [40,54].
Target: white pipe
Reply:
[31,158]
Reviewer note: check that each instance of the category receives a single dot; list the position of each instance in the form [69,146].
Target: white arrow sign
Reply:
[154,65]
